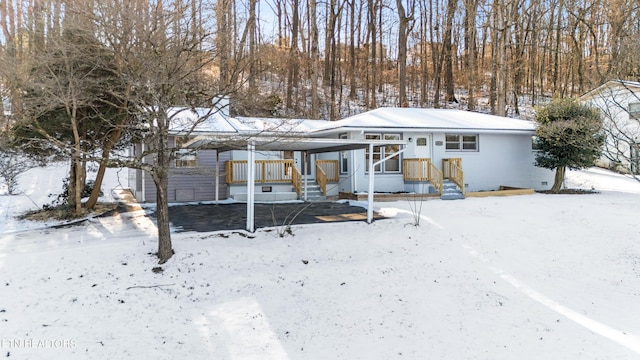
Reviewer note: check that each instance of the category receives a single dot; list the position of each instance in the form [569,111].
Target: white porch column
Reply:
[370,193]
[217,175]
[304,172]
[251,170]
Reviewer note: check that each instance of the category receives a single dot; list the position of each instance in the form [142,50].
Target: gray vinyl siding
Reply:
[193,184]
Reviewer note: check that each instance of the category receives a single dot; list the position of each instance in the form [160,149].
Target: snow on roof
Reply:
[278,125]
[382,118]
[205,120]
[431,119]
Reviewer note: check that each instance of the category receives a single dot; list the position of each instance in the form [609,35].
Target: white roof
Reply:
[610,84]
[279,125]
[206,120]
[431,120]
[404,119]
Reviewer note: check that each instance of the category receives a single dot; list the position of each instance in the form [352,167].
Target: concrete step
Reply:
[451,191]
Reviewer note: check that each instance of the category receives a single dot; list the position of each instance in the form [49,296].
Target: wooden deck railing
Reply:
[321,179]
[326,172]
[281,171]
[416,169]
[296,180]
[436,178]
[267,171]
[422,169]
[452,170]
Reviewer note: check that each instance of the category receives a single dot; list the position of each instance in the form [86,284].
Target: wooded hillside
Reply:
[329,59]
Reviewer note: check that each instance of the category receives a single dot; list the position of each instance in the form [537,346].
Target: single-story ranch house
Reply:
[619,103]
[423,151]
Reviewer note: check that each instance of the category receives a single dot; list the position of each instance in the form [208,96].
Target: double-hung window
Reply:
[461,142]
[185,158]
[391,165]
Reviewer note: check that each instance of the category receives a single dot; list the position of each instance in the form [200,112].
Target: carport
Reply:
[306,145]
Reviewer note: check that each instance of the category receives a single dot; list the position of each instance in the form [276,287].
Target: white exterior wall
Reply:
[501,160]
[613,102]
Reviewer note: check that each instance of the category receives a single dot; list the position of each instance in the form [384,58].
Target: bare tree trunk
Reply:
[373,45]
[471,52]
[504,36]
[435,55]
[403,28]
[447,50]
[95,192]
[252,43]
[315,106]
[559,179]
[293,57]
[160,177]
[352,52]
[329,38]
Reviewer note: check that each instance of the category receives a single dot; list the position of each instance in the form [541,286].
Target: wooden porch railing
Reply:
[296,180]
[281,171]
[326,172]
[267,171]
[422,169]
[436,178]
[416,169]
[452,170]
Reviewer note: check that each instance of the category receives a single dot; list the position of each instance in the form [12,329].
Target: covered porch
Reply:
[420,170]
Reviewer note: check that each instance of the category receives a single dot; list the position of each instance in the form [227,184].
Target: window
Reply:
[634,110]
[535,143]
[185,158]
[379,152]
[393,164]
[344,158]
[457,142]
[421,141]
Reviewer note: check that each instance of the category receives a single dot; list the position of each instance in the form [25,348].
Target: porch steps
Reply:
[314,193]
[450,191]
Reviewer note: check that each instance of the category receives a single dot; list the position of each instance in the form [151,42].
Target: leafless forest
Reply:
[327,59]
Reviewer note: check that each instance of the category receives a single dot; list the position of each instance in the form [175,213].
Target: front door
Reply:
[422,146]
[309,161]
[310,164]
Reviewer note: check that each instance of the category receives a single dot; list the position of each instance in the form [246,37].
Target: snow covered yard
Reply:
[523,277]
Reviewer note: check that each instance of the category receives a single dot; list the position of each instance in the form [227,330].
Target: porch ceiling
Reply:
[310,145]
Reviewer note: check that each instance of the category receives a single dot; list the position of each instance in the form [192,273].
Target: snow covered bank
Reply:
[526,277]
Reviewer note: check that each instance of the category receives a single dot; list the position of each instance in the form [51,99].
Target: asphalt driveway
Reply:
[209,217]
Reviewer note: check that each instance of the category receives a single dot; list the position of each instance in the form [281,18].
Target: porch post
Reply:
[370,193]
[304,172]
[352,169]
[251,163]
[217,175]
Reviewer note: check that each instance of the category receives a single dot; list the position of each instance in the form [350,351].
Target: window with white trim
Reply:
[392,165]
[185,158]
[461,142]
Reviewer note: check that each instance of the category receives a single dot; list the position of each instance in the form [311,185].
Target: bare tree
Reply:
[164,76]
[405,25]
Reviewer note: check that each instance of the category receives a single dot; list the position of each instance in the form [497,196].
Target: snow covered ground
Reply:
[522,277]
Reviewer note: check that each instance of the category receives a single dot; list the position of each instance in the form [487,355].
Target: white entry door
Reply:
[422,145]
